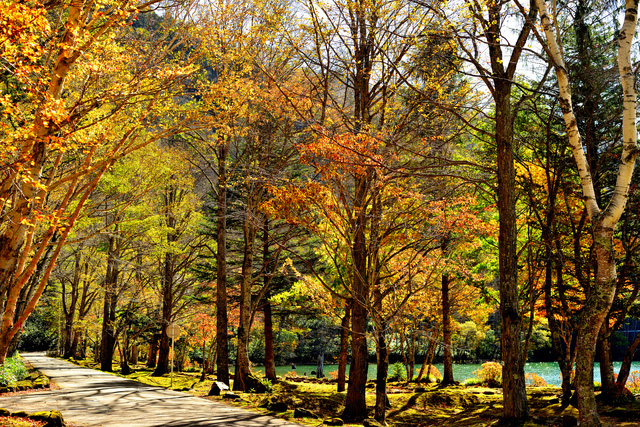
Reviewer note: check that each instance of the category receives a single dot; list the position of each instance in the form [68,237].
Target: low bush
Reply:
[434,374]
[534,380]
[490,374]
[12,371]
[633,382]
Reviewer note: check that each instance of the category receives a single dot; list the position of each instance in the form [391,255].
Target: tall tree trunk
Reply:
[153,351]
[447,378]
[355,405]
[108,341]
[243,369]
[70,309]
[222,321]
[133,358]
[603,347]
[269,356]
[344,345]
[382,374]
[589,324]
[502,73]
[164,350]
[423,368]
[513,357]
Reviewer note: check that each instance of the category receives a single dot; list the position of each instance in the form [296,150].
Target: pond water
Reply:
[549,371]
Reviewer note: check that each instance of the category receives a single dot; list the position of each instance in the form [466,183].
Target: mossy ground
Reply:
[19,422]
[412,405]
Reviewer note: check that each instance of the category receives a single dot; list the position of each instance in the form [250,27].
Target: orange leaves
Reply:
[344,153]
[202,329]
[292,203]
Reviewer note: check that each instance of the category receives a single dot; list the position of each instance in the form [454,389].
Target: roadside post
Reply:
[173,332]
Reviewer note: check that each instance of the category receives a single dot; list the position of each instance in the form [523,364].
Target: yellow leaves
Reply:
[21,27]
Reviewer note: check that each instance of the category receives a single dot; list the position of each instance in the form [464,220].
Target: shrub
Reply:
[534,380]
[490,374]
[268,385]
[633,382]
[397,372]
[435,373]
[12,371]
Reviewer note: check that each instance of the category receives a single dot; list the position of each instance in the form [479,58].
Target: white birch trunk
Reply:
[598,301]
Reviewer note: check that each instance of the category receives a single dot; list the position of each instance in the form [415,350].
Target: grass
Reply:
[412,405]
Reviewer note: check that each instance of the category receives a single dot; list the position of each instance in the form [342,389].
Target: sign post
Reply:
[173,332]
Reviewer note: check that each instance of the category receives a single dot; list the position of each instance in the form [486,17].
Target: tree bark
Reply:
[222,321]
[447,378]
[344,345]
[382,374]
[269,357]
[162,366]
[355,404]
[153,351]
[513,357]
[243,369]
[108,341]
[603,347]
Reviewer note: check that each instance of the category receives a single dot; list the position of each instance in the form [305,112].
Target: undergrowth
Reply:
[12,371]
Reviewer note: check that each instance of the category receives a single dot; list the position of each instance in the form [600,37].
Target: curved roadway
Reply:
[92,398]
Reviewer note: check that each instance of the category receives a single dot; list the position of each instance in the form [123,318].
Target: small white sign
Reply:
[173,331]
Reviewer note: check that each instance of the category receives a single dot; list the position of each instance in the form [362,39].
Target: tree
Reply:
[484,32]
[66,121]
[357,60]
[603,221]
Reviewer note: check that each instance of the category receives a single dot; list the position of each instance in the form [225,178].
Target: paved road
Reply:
[95,399]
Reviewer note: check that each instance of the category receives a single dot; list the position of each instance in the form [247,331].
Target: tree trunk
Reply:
[153,351]
[513,382]
[589,324]
[603,347]
[447,378]
[222,321]
[355,405]
[382,374]
[108,341]
[269,357]
[320,365]
[243,369]
[423,368]
[133,359]
[163,367]
[344,345]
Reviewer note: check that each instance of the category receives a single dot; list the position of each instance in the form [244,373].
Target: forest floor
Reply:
[412,405]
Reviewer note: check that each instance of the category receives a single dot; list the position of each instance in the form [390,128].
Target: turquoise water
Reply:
[549,371]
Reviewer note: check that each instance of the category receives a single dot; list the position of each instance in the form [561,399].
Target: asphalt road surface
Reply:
[91,398]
